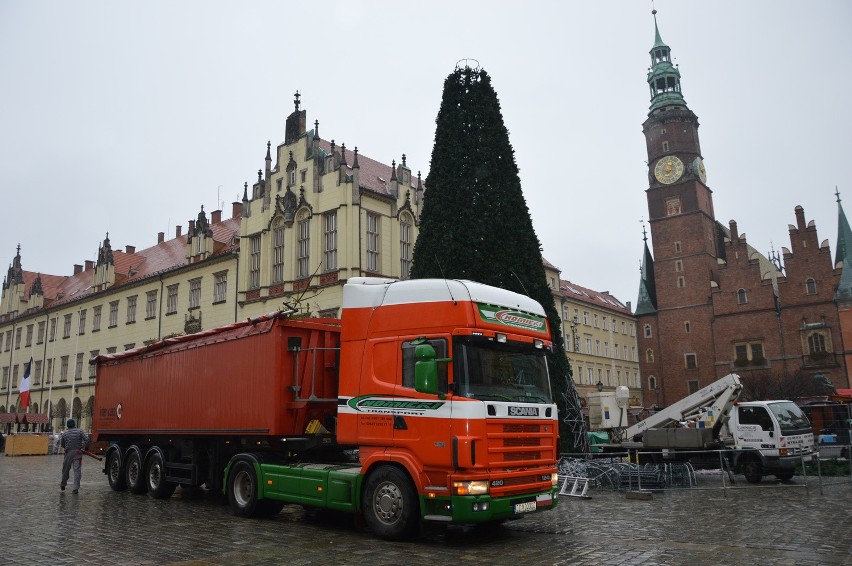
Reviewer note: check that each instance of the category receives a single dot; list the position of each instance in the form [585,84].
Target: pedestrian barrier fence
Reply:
[573,486]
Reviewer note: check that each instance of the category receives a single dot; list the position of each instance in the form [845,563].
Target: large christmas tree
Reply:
[475,223]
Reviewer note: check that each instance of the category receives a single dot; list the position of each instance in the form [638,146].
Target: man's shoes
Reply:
[62,488]
[74,492]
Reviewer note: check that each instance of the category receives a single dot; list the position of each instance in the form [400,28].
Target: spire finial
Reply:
[403,160]
[296,101]
[644,233]
[316,128]
[837,194]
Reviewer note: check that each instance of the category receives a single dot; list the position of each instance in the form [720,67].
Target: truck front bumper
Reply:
[468,509]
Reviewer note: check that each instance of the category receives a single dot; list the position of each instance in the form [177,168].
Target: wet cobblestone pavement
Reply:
[764,525]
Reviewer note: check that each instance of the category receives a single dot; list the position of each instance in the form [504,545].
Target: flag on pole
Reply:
[24,388]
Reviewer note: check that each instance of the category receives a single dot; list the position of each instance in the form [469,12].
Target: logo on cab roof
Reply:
[513,318]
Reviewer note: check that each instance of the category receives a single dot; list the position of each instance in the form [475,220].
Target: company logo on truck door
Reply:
[508,317]
[376,404]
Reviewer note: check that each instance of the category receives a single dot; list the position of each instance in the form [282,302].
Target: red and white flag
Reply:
[24,388]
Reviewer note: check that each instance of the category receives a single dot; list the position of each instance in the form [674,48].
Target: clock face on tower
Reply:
[698,165]
[668,169]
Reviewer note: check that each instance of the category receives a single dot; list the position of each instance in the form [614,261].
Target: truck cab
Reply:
[770,437]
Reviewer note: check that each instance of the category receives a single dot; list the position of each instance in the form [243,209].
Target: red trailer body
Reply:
[232,380]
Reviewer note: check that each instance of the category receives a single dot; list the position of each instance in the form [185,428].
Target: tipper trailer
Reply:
[428,401]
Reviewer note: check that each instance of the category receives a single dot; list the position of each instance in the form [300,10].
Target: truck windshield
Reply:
[493,371]
[790,416]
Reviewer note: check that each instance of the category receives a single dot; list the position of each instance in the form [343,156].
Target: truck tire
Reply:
[242,490]
[158,486]
[135,473]
[752,470]
[390,505]
[115,473]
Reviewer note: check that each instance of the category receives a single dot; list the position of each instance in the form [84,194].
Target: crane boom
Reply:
[705,408]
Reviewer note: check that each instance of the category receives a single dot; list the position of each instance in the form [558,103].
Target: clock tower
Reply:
[684,234]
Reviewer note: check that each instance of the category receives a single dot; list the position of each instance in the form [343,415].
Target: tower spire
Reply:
[663,76]
[844,253]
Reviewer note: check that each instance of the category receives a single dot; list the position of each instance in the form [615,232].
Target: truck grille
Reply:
[520,445]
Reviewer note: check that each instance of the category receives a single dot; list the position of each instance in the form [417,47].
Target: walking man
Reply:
[74,441]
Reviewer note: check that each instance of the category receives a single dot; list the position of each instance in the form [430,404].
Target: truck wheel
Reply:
[785,475]
[753,470]
[134,474]
[115,473]
[242,491]
[389,504]
[158,487]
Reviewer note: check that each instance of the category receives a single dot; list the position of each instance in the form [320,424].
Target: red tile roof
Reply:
[132,267]
[599,299]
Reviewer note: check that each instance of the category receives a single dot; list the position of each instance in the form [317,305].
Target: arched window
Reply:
[742,297]
[647,331]
[649,356]
[810,286]
[652,383]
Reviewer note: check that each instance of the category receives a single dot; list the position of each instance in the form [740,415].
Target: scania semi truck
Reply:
[427,401]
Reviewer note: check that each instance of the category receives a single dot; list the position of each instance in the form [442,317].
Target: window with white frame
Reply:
[330,241]
[92,367]
[63,368]
[195,293]
[254,264]
[372,242]
[171,298]
[66,328]
[113,314]
[404,246]
[220,286]
[96,318]
[304,243]
[278,251]
[131,309]
[150,305]
[29,340]
[40,335]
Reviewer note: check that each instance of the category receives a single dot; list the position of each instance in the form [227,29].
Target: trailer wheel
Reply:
[242,491]
[134,474]
[158,486]
[753,470]
[389,504]
[115,473]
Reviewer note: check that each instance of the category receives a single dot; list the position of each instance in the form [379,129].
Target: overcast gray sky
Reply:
[126,117]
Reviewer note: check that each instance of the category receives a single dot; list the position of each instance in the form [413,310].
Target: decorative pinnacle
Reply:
[296,101]
[837,194]
[403,160]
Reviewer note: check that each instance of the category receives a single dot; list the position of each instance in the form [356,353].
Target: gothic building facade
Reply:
[316,216]
[709,304]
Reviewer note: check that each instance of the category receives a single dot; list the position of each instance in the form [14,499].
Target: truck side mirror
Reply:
[425,370]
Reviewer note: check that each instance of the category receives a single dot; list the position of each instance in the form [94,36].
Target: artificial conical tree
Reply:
[475,223]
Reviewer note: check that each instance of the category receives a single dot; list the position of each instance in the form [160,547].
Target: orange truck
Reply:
[428,401]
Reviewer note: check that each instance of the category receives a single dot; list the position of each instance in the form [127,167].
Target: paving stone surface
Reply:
[771,524]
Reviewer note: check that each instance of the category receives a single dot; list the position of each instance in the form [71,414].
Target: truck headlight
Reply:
[554,479]
[475,487]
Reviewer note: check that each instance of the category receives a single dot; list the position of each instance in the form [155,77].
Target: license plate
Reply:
[525,507]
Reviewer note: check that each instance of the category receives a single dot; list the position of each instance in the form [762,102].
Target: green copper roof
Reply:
[844,254]
[658,41]
[663,76]
[647,302]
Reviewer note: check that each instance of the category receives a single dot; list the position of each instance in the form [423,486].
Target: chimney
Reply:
[128,249]
[77,269]
[191,229]
[178,230]
[236,209]
[90,264]
[215,217]
[161,237]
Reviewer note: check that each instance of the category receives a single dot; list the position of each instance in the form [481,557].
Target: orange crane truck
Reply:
[428,401]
